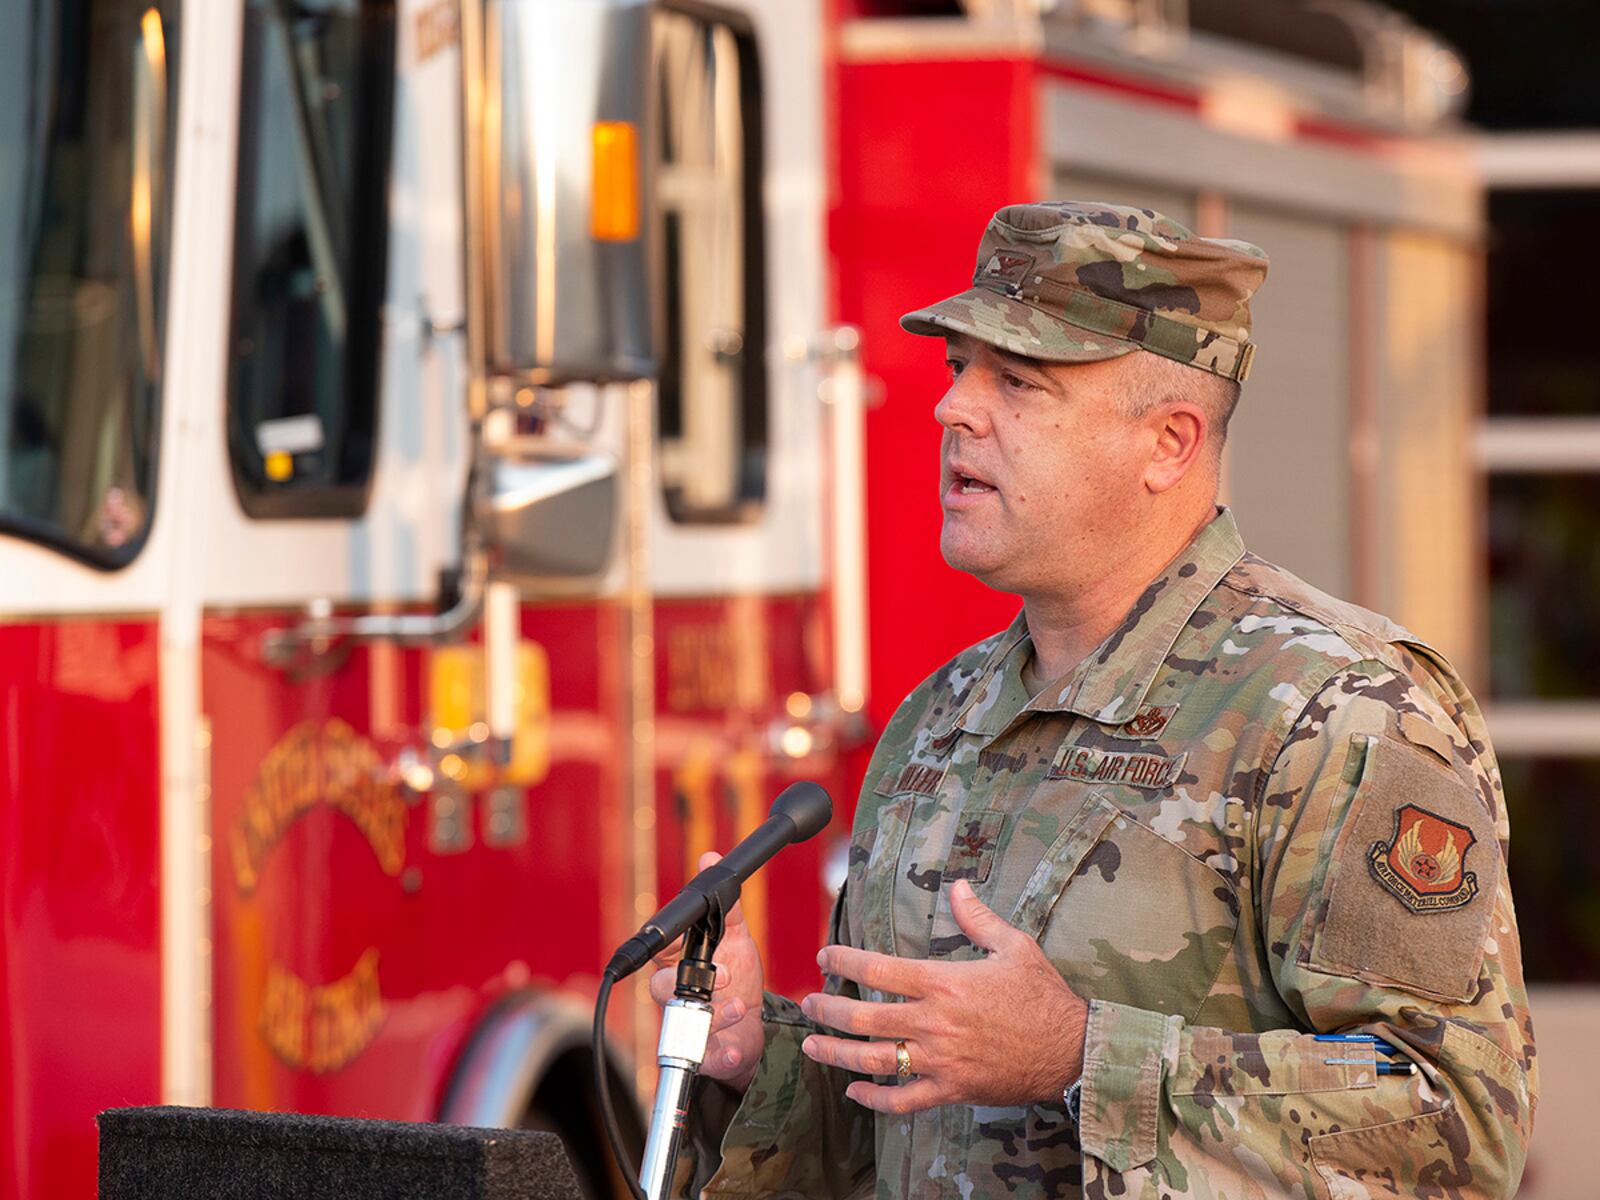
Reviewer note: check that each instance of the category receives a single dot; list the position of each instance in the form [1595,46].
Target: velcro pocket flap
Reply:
[1412,889]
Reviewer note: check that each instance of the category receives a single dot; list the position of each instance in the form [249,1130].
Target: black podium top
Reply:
[225,1154]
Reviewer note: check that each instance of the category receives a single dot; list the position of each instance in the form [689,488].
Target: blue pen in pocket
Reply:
[1378,1045]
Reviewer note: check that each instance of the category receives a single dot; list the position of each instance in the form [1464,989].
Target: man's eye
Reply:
[954,367]
[1016,381]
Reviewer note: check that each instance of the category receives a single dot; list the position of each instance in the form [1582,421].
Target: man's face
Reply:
[1041,471]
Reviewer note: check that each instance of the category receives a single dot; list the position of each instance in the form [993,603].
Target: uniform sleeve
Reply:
[793,1132]
[1380,839]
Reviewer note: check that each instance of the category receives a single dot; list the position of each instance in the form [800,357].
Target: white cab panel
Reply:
[782,551]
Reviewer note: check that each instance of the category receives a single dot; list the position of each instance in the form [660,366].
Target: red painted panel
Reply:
[79,906]
[450,929]
[725,667]
[316,898]
[927,151]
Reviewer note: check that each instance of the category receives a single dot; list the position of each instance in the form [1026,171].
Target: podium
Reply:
[225,1154]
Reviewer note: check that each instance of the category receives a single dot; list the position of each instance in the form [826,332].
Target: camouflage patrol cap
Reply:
[1076,281]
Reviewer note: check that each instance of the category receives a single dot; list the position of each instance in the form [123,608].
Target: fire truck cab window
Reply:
[310,235]
[713,392]
[86,106]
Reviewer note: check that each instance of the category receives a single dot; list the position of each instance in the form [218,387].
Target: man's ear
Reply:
[1179,431]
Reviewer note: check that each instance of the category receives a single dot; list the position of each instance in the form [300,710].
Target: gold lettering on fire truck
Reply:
[320,1029]
[328,765]
[720,666]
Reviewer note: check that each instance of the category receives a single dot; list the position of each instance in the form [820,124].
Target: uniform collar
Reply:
[1109,685]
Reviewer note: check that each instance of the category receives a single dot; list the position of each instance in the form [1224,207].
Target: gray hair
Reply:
[1154,381]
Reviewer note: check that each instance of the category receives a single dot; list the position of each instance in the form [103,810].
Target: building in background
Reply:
[1538,448]
[1536,102]
[1536,108]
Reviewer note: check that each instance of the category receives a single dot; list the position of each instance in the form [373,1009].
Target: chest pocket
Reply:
[1126,915]
[869,894]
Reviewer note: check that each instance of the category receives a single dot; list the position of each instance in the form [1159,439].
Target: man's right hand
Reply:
[737,1038]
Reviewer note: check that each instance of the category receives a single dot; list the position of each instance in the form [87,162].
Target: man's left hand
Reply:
[1001,1030]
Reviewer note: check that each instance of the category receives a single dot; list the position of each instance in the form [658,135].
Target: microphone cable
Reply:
[801,811]
[602,1083]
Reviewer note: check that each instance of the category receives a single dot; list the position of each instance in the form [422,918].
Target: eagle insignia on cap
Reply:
[1008,265]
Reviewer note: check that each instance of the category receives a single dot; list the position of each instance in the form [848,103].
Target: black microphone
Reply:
[800,812]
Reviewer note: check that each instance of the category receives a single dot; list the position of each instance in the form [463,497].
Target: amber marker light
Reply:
[614,200]
[279,465]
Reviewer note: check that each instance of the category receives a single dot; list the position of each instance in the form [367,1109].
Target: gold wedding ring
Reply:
[902,1061]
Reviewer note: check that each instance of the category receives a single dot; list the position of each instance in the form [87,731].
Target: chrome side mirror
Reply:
[547,516]
[566,252]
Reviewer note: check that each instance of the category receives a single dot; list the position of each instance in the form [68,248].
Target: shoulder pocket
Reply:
[1412,888]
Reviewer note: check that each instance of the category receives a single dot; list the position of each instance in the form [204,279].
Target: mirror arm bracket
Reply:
[321,632]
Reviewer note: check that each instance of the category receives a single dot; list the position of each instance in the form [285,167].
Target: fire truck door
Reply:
[336,490]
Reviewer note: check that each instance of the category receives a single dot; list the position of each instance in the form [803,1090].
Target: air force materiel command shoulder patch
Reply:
[1421,837]
[1424,863]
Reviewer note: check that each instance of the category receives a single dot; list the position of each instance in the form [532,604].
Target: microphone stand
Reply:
[685,1030]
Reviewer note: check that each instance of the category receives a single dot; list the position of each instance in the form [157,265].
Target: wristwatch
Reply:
[1072,1097]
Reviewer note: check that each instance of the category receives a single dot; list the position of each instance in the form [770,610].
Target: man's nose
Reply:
[964,408]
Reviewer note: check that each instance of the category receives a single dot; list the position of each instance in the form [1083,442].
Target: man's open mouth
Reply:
[970,484]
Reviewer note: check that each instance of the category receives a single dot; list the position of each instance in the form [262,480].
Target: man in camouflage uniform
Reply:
[1117,867]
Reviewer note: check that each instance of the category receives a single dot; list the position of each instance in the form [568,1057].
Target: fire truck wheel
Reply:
[565,1104]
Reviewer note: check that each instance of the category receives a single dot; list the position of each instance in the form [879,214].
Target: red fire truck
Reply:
[452,453]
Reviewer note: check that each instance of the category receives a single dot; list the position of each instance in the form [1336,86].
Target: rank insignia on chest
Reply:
[1148,723]
[1089,765]
[1424,863]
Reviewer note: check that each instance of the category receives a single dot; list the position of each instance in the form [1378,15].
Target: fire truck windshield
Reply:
[85,182]
[310,233]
